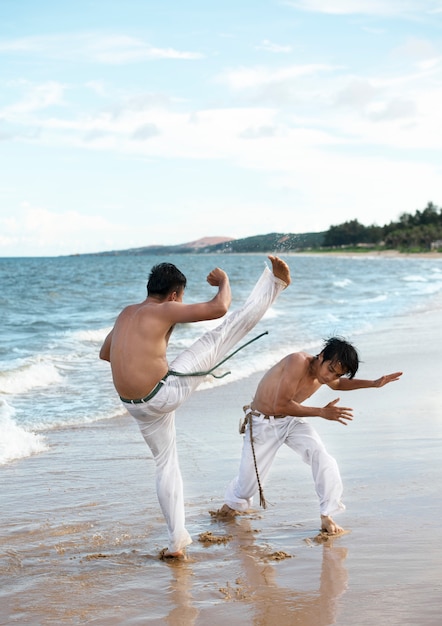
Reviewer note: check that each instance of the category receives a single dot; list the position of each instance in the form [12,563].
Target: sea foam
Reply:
[36,372]
[15,441]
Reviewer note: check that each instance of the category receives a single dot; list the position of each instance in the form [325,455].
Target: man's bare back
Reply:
[136,347]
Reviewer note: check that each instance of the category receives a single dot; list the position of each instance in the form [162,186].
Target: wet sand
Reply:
[81,528]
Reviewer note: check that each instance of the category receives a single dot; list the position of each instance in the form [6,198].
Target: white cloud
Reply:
[93,47]
[97,87]
[146,131]
[268,46]
[429,64]
[382,8]
[34,230]
[36,97]
[415,48]
[253,132]
[357,93]
[244,78]
[395,109]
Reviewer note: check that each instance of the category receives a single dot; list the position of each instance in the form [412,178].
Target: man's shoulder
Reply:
[298,360]
[135,309]
[298,357]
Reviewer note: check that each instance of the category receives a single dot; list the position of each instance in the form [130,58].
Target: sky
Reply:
[128,123]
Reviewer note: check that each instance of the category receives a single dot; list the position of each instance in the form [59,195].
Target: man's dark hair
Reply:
[338,350]
[165,278]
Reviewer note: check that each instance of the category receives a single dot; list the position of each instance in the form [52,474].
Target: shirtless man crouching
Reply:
[277,415]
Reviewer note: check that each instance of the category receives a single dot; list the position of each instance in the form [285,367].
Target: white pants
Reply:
[268,436]
[156,418]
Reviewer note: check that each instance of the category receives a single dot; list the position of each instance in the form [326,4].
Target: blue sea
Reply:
[55,313]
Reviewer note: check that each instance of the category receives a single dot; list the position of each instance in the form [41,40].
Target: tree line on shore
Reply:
[418,232]
[421,231]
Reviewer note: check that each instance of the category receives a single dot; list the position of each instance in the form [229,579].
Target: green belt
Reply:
[149,396]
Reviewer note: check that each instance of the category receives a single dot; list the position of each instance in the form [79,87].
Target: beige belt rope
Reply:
[249,420]
[262,500]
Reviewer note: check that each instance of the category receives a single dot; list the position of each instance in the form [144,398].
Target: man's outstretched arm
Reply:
[348,384]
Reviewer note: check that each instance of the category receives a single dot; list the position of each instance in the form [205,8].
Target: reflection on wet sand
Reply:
[183,613]
[282,605]
[256,587]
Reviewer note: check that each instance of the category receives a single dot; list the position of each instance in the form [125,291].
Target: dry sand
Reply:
[81,528]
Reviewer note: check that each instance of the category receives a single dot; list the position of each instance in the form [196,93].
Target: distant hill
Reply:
[272,242]
[207,241]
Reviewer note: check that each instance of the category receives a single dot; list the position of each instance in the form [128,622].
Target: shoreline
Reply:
[393,254]
[343,253]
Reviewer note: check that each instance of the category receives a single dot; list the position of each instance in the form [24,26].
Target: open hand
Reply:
[388,378]
[337,413]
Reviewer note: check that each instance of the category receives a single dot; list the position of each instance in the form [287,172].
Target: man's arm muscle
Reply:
[348,384]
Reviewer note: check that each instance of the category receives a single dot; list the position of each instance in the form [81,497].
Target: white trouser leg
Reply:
[266,442]
[159,434]
[215,344]
[303,439]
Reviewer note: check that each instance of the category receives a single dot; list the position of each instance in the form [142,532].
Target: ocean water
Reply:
[56,312]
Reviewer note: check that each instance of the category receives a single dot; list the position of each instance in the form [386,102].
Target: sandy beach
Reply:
[81,528]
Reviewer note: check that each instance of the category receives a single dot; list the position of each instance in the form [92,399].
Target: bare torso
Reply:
[138,348]
[292,380]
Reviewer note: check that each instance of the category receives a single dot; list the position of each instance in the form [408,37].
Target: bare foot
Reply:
[329,526]
[280,269]
[225,512]
[166,555]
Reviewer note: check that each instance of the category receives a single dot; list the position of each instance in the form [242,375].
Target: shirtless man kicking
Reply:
[151,389]
[277,416]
